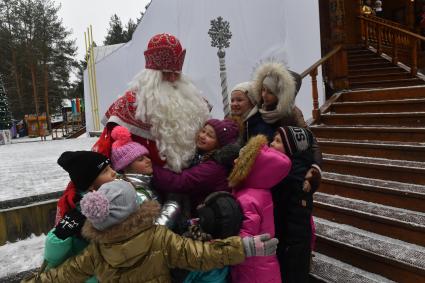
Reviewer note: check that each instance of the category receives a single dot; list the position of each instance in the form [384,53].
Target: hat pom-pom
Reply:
[95,206]
[121,135]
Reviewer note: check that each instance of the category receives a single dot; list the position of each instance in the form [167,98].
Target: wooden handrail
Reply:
[418,36]
[321,61]
[397,38]
[312,71]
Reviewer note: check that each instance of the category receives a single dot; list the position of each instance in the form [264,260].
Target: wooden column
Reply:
[338,67]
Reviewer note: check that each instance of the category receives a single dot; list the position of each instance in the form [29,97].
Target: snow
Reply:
[22,255]
[376,161]
[375,143]
[334,270]
[412,218]
[399,251]
[393,186]
[29,167]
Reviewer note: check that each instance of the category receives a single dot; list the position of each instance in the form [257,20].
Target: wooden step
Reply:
[409,119]
[361,55]
[377,77]
[381,133]
[384,94]
[366,66]
[365,60]
[387,83]
[378,168]
[359,51]
[331,270]
[392,150]
[383,106]
[393,259]
[372,71]
[396,194]
[393,222]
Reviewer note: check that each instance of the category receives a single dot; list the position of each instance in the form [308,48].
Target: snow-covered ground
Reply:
[21,256]
[28,166]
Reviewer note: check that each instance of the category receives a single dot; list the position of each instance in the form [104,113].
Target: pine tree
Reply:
[5,115]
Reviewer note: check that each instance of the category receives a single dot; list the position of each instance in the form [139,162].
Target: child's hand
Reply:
[313,177]
[260,245]
[70,224]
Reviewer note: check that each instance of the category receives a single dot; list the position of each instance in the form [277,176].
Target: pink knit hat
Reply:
[124,150]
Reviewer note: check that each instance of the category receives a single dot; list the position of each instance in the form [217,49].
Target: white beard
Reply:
[176,112]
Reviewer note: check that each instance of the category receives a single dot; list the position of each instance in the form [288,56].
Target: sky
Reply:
[78,15]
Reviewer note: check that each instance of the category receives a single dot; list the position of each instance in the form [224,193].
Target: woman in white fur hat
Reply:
[275,88]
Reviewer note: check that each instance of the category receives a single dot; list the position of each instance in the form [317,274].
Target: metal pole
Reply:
[220,37]
[223,78]
[94,80]
[90,79]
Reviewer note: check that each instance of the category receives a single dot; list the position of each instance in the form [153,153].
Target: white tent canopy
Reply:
[261,29]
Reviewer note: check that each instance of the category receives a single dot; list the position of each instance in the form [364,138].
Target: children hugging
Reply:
[238,210]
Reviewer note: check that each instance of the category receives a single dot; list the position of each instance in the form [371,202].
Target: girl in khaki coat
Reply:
[127,247]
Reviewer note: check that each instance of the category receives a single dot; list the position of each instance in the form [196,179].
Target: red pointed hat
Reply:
[164,53]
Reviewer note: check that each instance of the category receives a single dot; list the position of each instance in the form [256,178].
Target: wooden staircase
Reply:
[366,69]
[370,208]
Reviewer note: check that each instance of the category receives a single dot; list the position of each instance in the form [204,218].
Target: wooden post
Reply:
[315,112]
[414,68]
[35,96]
[379,49]
[367,28]
[395,47]
[46,97]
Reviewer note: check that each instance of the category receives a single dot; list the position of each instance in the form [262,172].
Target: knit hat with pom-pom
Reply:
[124,150]
[110,205]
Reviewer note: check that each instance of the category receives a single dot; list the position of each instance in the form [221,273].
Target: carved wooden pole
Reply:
[316,112]
[220,37]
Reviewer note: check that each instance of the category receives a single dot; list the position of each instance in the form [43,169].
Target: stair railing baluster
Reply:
[395,47]
[414,68]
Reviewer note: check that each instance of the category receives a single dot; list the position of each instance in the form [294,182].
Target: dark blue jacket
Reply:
[255,125]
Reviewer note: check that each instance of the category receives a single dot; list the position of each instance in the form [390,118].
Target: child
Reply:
[88,170]
[132,160]
[210,166]
[126,246]
[219,217]
[257,169]
[293,201]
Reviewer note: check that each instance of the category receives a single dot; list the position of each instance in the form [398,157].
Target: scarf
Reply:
[272,116]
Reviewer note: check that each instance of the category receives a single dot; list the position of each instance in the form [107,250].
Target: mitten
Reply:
[70,224]
[260,245]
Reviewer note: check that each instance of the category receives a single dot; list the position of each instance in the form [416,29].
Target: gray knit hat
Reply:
[111,204]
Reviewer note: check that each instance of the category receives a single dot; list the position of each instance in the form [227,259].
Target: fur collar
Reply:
[246,160]
[286,85]
[137,222]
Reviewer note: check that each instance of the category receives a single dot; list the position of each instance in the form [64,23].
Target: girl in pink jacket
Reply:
[257,169]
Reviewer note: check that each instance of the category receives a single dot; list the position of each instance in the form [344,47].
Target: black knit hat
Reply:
[220,215]
[83,167]
[295,139]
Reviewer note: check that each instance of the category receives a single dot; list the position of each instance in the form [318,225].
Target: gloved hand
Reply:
[260,245]
[70,224]
[312,180]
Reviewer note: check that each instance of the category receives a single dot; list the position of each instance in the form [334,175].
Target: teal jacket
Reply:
[214,276]
[56,250]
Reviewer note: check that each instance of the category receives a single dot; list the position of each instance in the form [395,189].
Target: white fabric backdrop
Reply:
[283,29]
